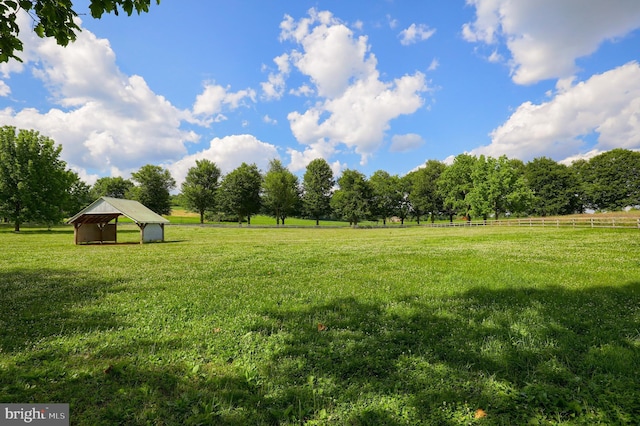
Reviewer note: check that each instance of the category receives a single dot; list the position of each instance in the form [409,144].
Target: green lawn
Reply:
[325,326]
[181,217]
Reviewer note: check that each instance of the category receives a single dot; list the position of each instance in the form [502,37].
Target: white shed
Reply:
[93,223]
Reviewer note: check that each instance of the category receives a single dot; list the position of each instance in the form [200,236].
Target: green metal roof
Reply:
[109,208]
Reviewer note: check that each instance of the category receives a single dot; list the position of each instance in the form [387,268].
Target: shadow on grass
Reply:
[521,355]
[56,230]
[37,304]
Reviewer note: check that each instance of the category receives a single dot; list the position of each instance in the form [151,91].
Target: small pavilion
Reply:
[94,222]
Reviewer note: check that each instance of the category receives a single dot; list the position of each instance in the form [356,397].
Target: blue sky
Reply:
[367,85]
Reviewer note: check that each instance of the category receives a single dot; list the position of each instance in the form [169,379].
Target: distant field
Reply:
[180,216]
[487,325]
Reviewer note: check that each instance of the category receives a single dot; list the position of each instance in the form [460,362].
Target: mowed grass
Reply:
[325,326]
[180,216]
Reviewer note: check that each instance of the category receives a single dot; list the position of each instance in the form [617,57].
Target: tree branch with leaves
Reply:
[54,18]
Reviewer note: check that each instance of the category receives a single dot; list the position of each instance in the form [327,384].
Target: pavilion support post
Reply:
[76,230]
[142,226]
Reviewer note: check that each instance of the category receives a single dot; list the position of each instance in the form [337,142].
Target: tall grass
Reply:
[325,326]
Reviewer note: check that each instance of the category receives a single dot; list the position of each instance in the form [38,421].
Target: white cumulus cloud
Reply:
[606,104]
[415,33]
[545,37]
[228,153]
[269,120]
[354,106]
[5,90]
[318,149]
[332,56]
[116,124]
[275,85]
[404,143]
[215,98]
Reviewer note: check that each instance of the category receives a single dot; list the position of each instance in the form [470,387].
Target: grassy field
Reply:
[180,216]
[325,326]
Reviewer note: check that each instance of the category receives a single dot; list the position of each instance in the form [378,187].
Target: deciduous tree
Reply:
[200,187]
[498,187]
[614,180]
[317,185]
[387,194]
[115,187]
[239,192]
[34,181]
[352,201]
[281,192]
[481,197]
[404,206]
[455,183]
[554,187]
[425,197]
[153,189]
[78,195]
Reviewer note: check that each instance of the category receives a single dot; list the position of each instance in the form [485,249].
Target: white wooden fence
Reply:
[582,222]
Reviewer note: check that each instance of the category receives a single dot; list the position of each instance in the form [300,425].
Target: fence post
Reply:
[638,223]
[557,223]
[592,222]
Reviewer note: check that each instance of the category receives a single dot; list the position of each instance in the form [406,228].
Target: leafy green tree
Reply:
[426,188]
[239,192]
[479,198]
[153,189]
[179,200]
[498,187]
[78,195]
[115,187]
[34,182]
[581,171]
[404,204]
[387,194]
[415,209]
[554,187]
[281,192]
[54,18]
[614,180]
[200,187]
[425,197]
[353,200]
[519,197]
[317,184]
[455,183]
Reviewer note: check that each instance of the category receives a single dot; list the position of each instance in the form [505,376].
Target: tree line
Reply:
[470,187]
[36,186]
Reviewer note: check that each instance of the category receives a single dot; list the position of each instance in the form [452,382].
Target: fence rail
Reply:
[594,222]
[571,222]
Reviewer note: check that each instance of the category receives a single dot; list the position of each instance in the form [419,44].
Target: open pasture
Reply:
[495,325]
